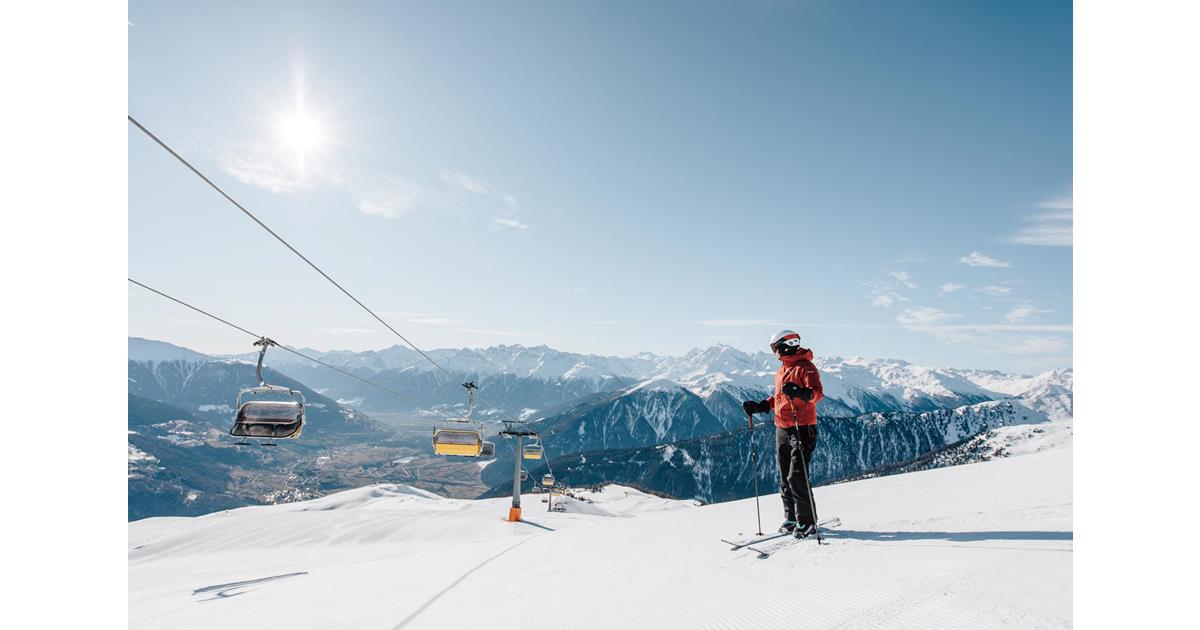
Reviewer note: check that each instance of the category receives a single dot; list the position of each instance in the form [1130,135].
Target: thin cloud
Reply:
[995,290]
[498,333]
[735,323]
[998,328]
[396,197]
[477,187]
[1023,313]
[904,278]
[1058,203]
[465,182]
[1053,228]
[924,316]
[951,287]
[432,321]
[264,169]
[1035,345]
[509,223]
[351,331]
[976,259]
[887,300]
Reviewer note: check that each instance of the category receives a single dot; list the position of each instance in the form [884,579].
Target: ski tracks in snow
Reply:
[837,606]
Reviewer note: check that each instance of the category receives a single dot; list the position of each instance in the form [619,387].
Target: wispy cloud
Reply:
[995,290]
[607,322]
[474,186]
[1023,313]
[904,278]
[976,259]
[734,323]
[260,166]
[924,316]
[951,287]
[432,321]
[423,319]
[465,182]
[1041,344]
[497,333]
[509,223]
[887,300]
[1000,327]
[395,197]
[1054,227]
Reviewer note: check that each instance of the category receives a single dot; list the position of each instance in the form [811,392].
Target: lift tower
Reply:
[512,429]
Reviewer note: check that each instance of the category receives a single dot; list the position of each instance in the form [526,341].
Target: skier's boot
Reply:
[788,527]
[804,530]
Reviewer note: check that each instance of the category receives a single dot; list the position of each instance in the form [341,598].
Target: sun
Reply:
[300,132]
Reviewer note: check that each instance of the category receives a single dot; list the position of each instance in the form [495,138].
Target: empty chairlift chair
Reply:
[461,437]
[548,480]
[271,418]
[533,451]
[461,442]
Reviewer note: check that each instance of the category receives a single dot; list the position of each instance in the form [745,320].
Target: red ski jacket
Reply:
[798,369]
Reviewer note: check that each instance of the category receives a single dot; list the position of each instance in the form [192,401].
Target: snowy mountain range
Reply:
[669,424]
[517,379]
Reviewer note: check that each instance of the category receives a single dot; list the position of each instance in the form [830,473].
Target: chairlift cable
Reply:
[295,251]
[281,240]
[277,344]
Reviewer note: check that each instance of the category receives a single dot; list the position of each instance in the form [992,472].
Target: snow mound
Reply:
[983,546]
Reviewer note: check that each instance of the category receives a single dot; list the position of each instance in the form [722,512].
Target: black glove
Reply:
[792,390]
[756,406]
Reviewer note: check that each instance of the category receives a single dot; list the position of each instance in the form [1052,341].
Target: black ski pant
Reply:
[794,447]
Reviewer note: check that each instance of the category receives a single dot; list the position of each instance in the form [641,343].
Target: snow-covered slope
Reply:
[981,546]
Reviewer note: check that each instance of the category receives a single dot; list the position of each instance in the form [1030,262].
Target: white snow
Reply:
[985,545]
[138,455]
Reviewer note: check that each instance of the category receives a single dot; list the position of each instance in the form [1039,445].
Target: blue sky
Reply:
[889,179]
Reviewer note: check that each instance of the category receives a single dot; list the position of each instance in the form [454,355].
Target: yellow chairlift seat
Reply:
[462,437]
[460,442]
[533,451]
[547,480]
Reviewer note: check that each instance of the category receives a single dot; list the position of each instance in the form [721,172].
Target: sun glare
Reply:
[300,132]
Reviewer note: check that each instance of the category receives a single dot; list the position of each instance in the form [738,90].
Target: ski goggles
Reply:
[790,341]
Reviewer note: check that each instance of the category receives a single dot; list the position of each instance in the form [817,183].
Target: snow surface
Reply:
[985,545]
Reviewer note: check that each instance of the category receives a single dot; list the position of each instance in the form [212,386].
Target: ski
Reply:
[825,524]
[765,551]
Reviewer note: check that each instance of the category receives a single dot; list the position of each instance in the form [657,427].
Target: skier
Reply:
[797,392]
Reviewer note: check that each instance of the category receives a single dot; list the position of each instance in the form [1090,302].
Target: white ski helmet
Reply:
[787,339]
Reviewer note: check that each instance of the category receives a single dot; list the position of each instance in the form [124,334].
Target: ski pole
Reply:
[812,502]
[754,470]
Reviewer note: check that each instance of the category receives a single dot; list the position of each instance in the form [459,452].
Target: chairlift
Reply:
[533,451]
[462,437]
[524,475]
[267,419]
[488,450]
[548,480]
